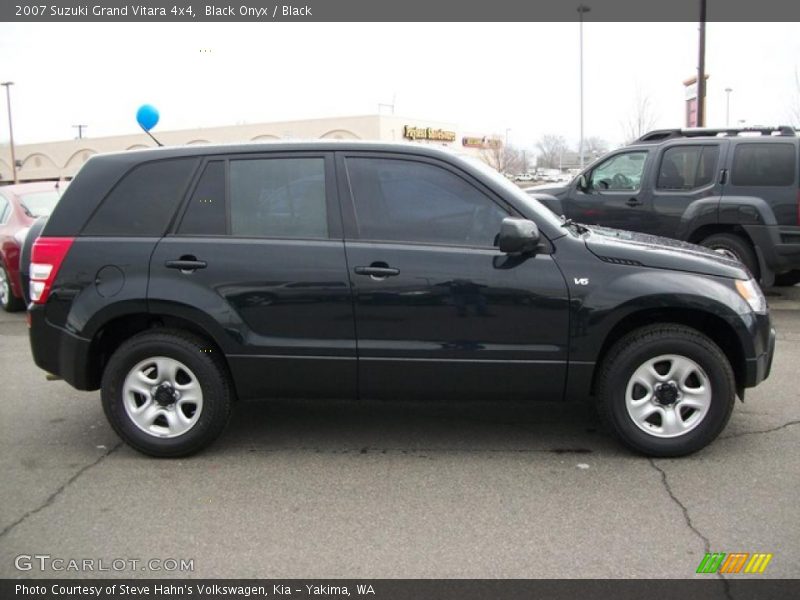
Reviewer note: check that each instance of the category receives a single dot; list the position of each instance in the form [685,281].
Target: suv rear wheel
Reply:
[166,393]
[734,246]
[666,390]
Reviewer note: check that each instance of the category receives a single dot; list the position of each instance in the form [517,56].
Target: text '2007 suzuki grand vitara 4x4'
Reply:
[178,280]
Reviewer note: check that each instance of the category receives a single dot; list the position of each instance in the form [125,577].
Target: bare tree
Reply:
[504,158]
[551,148]
[641,117]
[594,147]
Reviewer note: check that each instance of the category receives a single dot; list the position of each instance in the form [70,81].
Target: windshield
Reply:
[536,207]
[39,204]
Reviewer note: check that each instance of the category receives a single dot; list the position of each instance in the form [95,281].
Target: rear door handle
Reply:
[377,272]
[186,264]
[633,202]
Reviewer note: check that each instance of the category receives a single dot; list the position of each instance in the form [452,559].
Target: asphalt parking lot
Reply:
[383,490]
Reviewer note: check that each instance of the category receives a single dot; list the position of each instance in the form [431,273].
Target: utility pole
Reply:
[8,85]
[701,69]
[582,9]
[728,91]
[80,129]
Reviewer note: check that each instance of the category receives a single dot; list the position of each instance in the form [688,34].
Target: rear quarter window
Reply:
[760,164]
[143,202]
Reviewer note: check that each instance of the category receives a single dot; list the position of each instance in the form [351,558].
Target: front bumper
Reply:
[758,368]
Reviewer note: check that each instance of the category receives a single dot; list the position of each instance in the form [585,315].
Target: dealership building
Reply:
[61,160]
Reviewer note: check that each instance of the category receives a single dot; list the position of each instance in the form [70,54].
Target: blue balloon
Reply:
[147,116]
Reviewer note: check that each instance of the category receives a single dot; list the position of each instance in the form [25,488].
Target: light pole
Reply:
[80,129]
[8,85]
[582,9]
[728,106]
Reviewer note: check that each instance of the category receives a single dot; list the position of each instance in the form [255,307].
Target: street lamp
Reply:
[582,9]
[8,85]
[728,106]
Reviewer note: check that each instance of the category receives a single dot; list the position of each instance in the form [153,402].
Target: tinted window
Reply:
[278,197]
[401,200]
[687,167]
[144,201]
[620,172]
[4,212]
[205,214]
[763,164]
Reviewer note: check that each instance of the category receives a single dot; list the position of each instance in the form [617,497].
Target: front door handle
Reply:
[633,202]
[186,264]
[377,271]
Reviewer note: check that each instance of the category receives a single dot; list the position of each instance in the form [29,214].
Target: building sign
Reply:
[690,90]
[481,142]
[428,133]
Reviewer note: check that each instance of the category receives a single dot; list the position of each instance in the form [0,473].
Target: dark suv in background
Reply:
[178,280]
[733,190]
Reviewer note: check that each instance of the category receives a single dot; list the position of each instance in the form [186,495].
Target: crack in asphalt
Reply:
[60,490]
[689,523]
[760,431]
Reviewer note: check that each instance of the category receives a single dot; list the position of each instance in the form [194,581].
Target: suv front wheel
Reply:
[166,393]
[666,390]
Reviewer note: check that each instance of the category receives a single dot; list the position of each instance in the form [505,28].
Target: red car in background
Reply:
[20,206]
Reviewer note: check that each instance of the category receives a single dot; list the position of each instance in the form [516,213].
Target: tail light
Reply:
[46,257]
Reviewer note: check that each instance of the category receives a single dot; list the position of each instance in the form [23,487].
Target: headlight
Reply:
[751,292]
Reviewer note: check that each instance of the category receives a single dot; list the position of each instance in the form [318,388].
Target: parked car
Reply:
[524,177]
[20,205]
[179,280]
[732,190]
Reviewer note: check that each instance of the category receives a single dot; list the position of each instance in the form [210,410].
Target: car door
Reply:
[257,259]
[614,194]
[687,174]
[440,312]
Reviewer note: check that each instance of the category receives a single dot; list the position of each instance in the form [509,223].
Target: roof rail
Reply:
[666,134]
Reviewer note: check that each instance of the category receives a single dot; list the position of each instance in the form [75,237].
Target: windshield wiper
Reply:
[565,222]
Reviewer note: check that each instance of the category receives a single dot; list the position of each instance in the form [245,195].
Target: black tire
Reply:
[203,363]
[646,344]
[738,247]
[8,301]
[787,279]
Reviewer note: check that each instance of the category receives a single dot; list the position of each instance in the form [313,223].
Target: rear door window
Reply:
[687,167]
[763,164]
[278,198]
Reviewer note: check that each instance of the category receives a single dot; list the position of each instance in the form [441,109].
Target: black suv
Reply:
[180,279]
[733,190]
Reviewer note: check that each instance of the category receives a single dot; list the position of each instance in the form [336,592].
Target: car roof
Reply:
[144,155]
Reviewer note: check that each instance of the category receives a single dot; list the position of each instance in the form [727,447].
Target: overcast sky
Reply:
[483,77]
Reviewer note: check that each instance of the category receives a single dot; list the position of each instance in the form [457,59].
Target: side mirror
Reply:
[518,236]
[583,183]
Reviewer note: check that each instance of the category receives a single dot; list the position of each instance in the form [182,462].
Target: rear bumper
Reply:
[60,352]
[779,246]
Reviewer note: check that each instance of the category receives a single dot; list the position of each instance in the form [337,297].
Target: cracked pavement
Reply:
[388,490]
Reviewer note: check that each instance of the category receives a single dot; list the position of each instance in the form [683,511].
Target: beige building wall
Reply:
[61,160]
